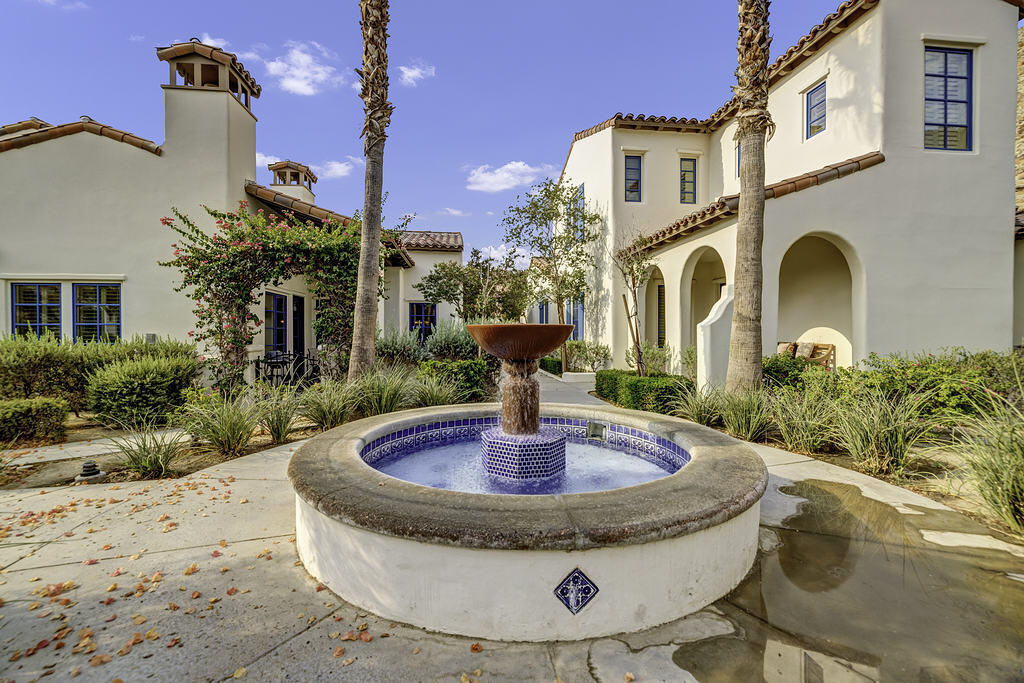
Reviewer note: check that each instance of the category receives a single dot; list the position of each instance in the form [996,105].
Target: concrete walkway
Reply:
[554,390]
[65,451]
[198,579]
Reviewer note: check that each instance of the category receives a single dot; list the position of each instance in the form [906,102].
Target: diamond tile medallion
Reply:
[576,590]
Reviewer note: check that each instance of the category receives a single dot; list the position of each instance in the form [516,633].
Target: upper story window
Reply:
[36,308]
[97,312]
[947,98]
[687,181]
[816,111]
[633,178]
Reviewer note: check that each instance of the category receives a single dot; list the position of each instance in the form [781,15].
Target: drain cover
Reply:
[576,590]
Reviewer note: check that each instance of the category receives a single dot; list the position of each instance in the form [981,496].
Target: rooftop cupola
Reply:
[196,65]
[293,179]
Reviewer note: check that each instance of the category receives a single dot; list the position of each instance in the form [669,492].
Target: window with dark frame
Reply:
[35,308]
[543,313]
[422,319]
[97,312]
[816,110]
[633,179]
[661,316]
[574,316]
[275,324]
[948,83]
[687,181]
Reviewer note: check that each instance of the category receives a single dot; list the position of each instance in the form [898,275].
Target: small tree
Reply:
[552,224]
[634,263]
[483,288]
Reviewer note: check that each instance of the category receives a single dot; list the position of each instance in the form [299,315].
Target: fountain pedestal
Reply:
[520,450]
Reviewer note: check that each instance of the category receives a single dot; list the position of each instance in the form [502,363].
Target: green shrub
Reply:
[656,359]
[747,414]
[279,407]
[32,418]
[653,394]
[586,356]
[688,361]
[470,376]
[149,452]
[451,341]
[136,392]
[384,389]
[992,445]
[878,430]
[328,403]
[222,424]
[552,365]
[48,366]
[803,419]
[703,406]
[950,382]
[399,346]
[434,391]
[783,371]
[607,382]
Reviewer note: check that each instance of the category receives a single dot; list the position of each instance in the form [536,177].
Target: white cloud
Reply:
[264,159]
[332,169]
[453,212]
[358,161]
[490,213]
[416,72]
[501,251]
[135,38]
[302,69]
[73,4]
[210,40]
[513,174]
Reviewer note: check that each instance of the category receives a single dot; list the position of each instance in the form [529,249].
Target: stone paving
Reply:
[197,579]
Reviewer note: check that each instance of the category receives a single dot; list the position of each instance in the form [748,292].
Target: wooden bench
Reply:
[819,354]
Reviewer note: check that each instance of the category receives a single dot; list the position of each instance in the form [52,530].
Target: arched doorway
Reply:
[816,296]
[654,309]
[704,278]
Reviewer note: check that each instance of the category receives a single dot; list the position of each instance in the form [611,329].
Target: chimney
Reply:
[293,179]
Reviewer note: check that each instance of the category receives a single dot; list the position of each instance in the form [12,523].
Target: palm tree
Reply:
[374,78]
[754,125]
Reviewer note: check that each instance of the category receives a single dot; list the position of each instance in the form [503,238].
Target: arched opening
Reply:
[654,309]
[705,275]
[816,297]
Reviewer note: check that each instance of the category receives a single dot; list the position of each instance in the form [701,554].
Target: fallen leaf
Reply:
[223,569]
[99,659]
[189,610]
[629,677]
[110,618]
[232,590]
[117,572]
[196,595]
[363,626]
[138,620]
[107,546]
[108,601]
[151,634]
[76,672]
[111,588]
[476,647]
[365,637]
[239,672]
[319,588]
[35,605]
[172,606]
[351,635]
[216,553]
[416,650]
[14,657]
[339,651]
[222,543]
[191,569]
[463,678]
[125,649]
[163,517]
[90,561]
[173,641]
[346,662]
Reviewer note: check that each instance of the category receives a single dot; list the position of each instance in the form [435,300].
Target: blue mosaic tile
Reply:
[575,591]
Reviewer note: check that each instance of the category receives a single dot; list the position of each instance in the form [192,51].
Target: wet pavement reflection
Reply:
[848,589]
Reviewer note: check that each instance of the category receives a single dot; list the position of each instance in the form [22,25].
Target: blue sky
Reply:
[487,94]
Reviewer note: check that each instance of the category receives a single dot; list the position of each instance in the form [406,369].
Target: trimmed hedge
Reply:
[653,394]
[783,371]
[143,391]
[32,418]
[469,375]
[48,366]
[552,365]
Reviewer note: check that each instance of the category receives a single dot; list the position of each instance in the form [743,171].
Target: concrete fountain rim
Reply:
[723,479]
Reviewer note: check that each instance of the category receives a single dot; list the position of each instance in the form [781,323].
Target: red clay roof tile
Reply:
[294,165]
[210,52]
[86,125]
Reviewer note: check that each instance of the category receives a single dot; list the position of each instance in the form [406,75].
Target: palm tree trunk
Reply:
[754,124]
[374,77]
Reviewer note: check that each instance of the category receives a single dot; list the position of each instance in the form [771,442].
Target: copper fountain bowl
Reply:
[520,341]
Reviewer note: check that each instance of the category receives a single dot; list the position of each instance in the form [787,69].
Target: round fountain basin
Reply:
[551,566]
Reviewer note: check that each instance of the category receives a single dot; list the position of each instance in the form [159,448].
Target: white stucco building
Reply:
[80,237]
[890,212]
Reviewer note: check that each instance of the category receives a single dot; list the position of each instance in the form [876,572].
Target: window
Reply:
[97,312]
[687,181]
[947,98]
[422,319]
[632,178]
[36,308]
[815,111]
[543,313]
[574,316]
[298,324]
[275,324]
[661,316]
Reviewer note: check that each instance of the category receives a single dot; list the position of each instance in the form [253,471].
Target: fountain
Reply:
[527,521]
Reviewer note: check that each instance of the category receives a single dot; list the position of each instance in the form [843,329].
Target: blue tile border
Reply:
[636,442]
